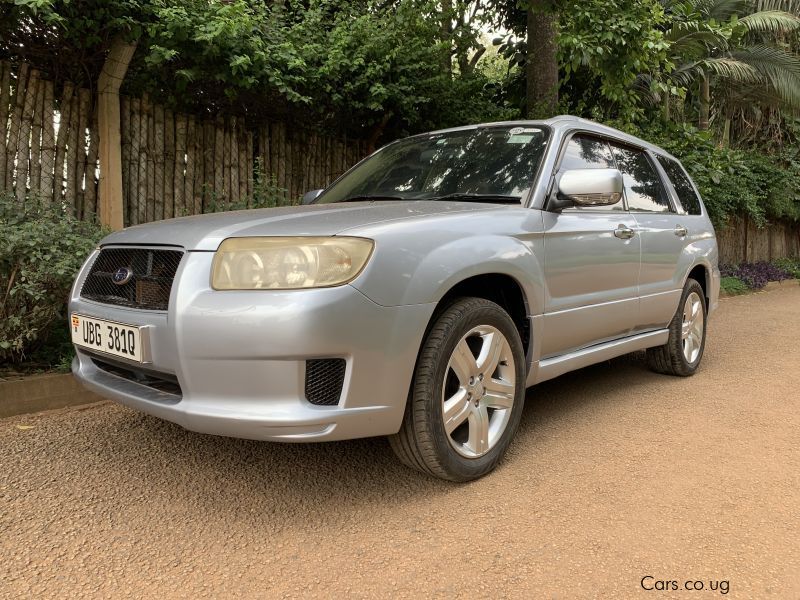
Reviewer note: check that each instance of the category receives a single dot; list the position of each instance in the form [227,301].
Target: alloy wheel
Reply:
[478,391]
[692,327]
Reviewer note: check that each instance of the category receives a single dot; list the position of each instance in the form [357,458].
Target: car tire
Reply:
[460,418]
[682,353]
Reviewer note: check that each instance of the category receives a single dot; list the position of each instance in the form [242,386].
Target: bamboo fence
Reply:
[173,164]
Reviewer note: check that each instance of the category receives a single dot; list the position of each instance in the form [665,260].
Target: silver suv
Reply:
[416,297]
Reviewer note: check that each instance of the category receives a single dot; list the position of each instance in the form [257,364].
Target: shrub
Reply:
[266,194]
[755,275]
[790,265]
[41,249]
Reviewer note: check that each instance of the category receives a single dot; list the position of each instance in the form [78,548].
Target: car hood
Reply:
[206,232]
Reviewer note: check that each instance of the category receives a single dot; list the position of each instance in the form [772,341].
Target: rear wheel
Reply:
[683,351]
[467,395]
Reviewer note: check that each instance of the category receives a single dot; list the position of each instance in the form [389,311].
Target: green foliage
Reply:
[378,71]
[217,49]
[267,193]
[358,67]
[67,38]
[790,265]
[362,66]
[369,70]
[733,286]
[232,47]
[41,249]
[614,41]
[741,48]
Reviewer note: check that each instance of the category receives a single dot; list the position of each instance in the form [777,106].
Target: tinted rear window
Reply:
[682,184]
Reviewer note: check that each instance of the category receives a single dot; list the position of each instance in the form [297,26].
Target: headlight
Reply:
[285,263]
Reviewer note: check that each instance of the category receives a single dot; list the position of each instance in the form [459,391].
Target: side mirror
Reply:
[309,197]
[588,187]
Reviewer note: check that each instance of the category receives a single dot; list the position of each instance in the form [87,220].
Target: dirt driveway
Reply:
[616,475]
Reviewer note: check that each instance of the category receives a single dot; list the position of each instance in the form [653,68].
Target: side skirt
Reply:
[558,365]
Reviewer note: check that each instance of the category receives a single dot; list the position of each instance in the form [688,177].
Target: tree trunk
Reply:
[447,35]
[705,103]
[110,144]
[726,134]
[377,131]
[542,64]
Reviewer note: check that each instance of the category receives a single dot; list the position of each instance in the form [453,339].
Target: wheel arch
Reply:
[501,288]
[701,273]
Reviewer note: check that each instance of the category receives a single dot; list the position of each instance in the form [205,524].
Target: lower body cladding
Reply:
[239,363]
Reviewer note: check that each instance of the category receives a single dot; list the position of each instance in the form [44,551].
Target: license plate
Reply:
[108,337]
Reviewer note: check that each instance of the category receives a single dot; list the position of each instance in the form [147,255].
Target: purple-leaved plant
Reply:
[755,275]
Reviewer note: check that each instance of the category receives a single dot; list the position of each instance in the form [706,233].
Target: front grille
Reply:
[148,286]
[162,382]
[324,380]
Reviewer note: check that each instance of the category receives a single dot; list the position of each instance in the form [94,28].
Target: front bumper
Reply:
[239,358]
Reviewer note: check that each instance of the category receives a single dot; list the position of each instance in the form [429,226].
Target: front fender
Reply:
[421,266]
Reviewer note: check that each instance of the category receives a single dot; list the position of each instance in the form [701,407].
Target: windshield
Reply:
[492,164]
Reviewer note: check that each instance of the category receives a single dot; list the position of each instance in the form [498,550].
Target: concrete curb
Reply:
[42,392]
[786,283]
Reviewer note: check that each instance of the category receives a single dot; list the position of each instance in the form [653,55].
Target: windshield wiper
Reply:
[499,198]
[371,197]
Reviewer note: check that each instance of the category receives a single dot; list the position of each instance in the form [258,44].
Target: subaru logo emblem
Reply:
[122,276]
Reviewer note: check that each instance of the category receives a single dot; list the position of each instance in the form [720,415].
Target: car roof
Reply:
[561,124]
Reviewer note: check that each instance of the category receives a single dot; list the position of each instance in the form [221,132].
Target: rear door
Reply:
[591,263]
[663,236]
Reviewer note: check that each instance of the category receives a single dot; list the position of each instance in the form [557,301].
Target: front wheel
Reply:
[683,351]
[467,395]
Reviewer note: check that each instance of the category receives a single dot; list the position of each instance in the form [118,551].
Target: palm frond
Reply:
[725,67]
[643,87]
[749,96]
[779,68]
[763,57]
[722,10]
[730,68]
[770,21]
[693,40]
[685,74]
[691,29]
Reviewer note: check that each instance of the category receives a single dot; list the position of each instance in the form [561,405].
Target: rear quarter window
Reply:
[682,184]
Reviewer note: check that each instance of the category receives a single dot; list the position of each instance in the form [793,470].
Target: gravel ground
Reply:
[616,474]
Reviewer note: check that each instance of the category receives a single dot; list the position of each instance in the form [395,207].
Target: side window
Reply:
[587,152]
[584,152]
[643,188]
[682,184]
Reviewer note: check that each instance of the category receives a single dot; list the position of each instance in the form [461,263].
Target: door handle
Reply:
[681,231]
[624,232]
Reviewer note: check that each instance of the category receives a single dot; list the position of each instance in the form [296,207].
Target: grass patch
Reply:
[733,286]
